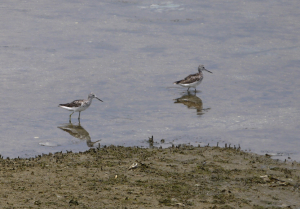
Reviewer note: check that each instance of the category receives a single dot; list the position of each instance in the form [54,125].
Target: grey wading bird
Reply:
[192,80]
[79,105]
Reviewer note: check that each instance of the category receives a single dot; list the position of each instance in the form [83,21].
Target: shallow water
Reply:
[129,53]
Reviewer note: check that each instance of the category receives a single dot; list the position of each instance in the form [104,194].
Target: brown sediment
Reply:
[183,176]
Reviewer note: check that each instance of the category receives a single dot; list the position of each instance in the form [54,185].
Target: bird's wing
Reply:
[190,79]
[75,103]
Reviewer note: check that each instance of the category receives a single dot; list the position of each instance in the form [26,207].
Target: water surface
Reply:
[129,53]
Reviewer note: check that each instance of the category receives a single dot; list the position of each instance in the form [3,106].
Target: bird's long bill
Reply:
[207,70]
[98,99]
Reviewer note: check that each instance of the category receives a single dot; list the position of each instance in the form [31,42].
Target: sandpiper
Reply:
[79,105]
[192,80]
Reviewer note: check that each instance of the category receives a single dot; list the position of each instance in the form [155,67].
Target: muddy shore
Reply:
[184,176]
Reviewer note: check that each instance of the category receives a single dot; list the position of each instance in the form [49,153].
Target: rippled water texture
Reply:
[129,53]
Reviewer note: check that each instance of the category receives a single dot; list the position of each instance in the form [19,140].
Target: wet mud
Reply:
[132,177]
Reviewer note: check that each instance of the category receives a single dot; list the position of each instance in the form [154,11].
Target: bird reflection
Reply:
[79,132]
[192,102]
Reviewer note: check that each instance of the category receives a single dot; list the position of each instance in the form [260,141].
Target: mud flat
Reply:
[183,176]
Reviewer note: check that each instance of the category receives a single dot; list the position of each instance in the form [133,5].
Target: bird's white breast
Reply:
[196,83]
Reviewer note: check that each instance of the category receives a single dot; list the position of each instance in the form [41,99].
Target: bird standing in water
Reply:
[79,105]
[192,80]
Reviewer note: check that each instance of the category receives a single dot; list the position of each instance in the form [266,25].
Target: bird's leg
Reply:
[70,117]
[188,88]
[195,90]
[79,116]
